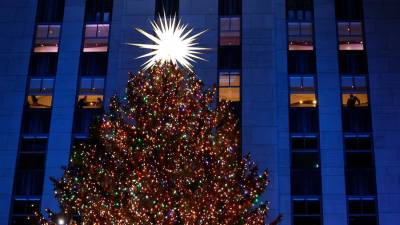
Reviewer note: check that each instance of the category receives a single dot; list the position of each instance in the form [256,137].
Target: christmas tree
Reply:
[163,154]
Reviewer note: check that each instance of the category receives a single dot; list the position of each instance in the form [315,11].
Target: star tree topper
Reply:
[172,43]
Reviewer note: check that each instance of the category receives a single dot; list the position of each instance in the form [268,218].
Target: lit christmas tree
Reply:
[164,154]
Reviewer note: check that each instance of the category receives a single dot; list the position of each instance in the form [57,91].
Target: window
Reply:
[350,36]
[47,38]
[39,101]
[357,143]
[354,83]
[362,211]
[349,9]
[50,11]
[306,211]
[88,108]
[229,57]
[302,83]
[353,62]
[360,173]
[36,121]
[98,10]
[90,101]
[170,7]
[355,100]
[304,143]
[300,36]
[91,85]
[25,206]
[29,174]
[299,10]
[303,120]
[43,64]
[229,31]
[96,38]
[229,86]
[33,145]
[230,7]
[301,62]
[41,85]
[305,173]
[93,63]
[303,100]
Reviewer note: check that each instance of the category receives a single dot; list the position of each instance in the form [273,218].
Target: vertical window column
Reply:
[30,165]
[230,53]
[356,114]
[92,66]
[303,114]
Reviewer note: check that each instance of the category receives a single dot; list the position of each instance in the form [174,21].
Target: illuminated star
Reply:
[172,43]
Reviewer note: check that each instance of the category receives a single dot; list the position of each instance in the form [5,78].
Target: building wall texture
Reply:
[265,112]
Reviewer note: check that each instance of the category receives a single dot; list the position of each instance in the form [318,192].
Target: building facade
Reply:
[314,83]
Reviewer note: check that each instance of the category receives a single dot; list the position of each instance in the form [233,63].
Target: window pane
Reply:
[229,94]
[98,83]
[355,100]
[41,31]
[230,31]
[24,207]
[235,80]
[295,82]
[91,30]
[34,145]
[48,84]
[54,31]
[103,30]
[305,160]
[303,100]
[39,101]
[308,82]
[90,101]
[35,85]
[303,120]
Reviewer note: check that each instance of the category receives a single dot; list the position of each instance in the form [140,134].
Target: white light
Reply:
[61,221]
[172,43]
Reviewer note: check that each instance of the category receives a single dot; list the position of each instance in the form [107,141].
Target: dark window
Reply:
[306,211]
[36,121]
[23,220]
[359,160]
[301,62]
[25,206]
[43,64]
[84,118]
[362,211]
[301,143]
[229,57]
[50,11]
[29,174]
[305,174]
[93,63]
[360,181]
[353,62]
[357,143]
[170,7]
[349,9]
[299,9]
[356,119]
[230,7]
[303,120]
[98,10]
[34,145]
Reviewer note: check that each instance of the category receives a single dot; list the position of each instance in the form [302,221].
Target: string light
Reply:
[163,154]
